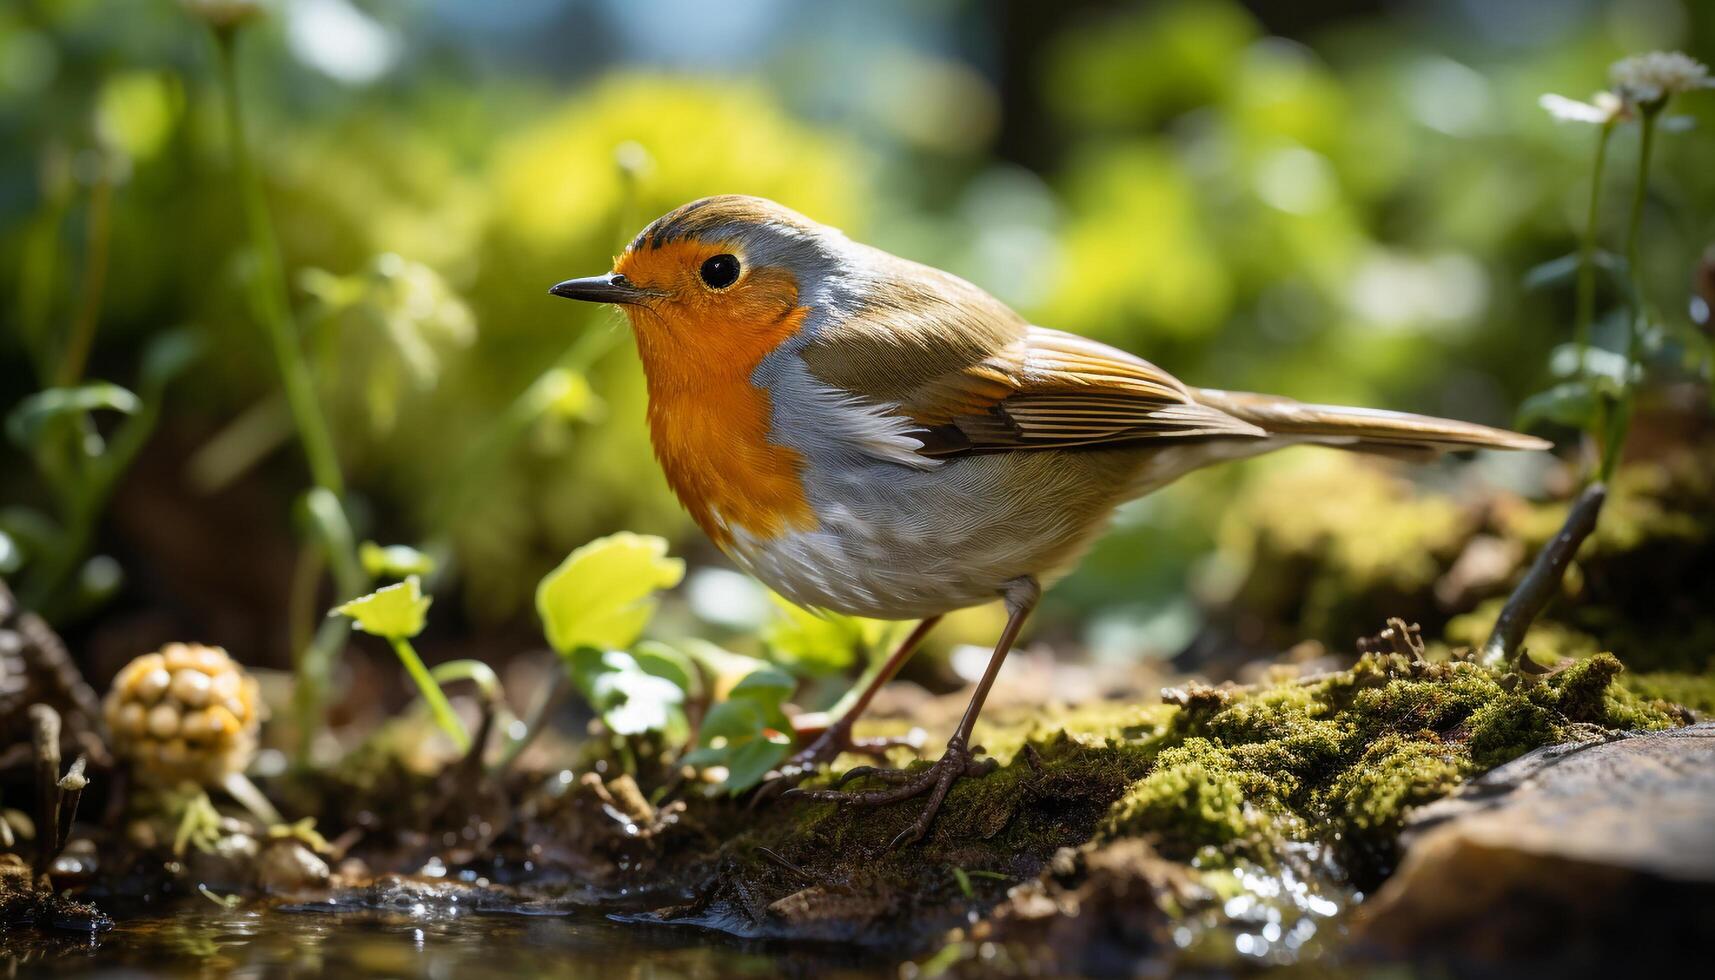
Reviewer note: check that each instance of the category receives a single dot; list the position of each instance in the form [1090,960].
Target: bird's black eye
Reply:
[720,271]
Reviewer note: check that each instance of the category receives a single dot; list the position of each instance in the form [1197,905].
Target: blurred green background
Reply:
[1333,199]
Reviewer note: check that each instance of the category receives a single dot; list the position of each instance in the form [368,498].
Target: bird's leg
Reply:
[838,737]
[833,739]
[960,758]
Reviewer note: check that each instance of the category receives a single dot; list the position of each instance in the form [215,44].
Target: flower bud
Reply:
[224,14]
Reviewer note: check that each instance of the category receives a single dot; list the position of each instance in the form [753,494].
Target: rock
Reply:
[287,866]
[228,866]
[1580,856]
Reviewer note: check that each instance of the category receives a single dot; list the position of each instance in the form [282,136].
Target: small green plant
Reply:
[690,701]
[747,734]
[80,465]
[62,428]
[397,613]
[1596,388]
[595,607]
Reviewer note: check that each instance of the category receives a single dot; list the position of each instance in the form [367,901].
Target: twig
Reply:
[45,736]
[71,787]
[1543,579]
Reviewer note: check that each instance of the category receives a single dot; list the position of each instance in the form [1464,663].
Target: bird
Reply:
[872,436]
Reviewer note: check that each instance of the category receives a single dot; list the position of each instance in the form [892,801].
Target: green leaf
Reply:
[768,686]
[629,696]
[1571,403]
[394,611]
[1562,270]
[752,761]
[736,734]
[748,733]
[1598,362]
[167,357]
[657,658]
[730,721]
[819,643]
[394,560]
[1553,272]
[603,594]
[32,416]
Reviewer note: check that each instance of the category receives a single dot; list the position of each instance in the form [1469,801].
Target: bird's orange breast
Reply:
[709,423]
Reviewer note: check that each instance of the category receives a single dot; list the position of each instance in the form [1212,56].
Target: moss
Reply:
[1506,729]
[1581,690]
[1195,795]
[1694,691]
[1393,774]
[1341,758]
[1332,546]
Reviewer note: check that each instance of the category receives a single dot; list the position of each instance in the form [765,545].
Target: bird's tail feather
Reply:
[1362,429]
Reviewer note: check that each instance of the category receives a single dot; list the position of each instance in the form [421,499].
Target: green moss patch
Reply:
[1339,759]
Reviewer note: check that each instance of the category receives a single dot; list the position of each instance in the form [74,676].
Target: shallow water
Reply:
[198,937]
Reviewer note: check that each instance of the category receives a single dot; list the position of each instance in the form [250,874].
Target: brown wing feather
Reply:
[1366,429]
[975,376]
[1055,390]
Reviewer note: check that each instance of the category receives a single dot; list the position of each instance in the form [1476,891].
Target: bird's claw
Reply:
[936,780]
[828,746]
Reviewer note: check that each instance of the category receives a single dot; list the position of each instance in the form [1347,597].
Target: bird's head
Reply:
[720,281]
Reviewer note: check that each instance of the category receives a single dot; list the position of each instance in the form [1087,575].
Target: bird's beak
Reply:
[609,288]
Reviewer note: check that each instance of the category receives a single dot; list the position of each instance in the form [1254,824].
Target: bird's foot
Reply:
[833,741]
[903,784]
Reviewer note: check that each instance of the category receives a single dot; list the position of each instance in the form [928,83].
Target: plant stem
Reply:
[329,527]
[240,788]
[1586,308]
[1543,579]
[82,336]
[313,673]
[268,286]
[1621,421]
[38,265]
[438,706]
[270,305]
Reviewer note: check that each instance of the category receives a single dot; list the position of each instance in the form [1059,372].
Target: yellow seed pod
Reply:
[187,711]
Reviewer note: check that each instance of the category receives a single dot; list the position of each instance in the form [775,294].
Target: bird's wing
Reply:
[971,376]
[1053,390]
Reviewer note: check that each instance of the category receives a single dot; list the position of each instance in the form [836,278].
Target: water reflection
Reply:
[196,937]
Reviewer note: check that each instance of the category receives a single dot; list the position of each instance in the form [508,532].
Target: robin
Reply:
[873,436]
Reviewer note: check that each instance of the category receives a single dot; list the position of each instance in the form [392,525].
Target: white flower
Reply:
[1602,109]
[1652,77]
[224,13]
